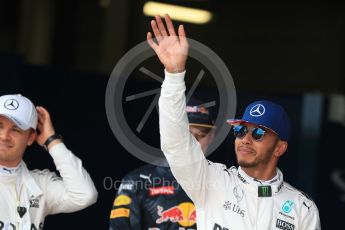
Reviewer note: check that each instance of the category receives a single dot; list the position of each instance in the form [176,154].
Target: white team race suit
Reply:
[40,192]
[226,199]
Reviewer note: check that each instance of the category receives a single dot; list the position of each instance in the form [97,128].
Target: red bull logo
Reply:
[184,214]
[192,216]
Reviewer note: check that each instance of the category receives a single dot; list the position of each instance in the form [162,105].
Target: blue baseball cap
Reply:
[266,114]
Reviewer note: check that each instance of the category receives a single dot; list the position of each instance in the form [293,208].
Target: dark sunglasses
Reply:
[240,131]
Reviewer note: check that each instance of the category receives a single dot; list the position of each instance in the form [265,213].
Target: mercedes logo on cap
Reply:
[257,110]
[11,104]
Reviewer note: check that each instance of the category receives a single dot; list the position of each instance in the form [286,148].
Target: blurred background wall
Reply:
[61,53]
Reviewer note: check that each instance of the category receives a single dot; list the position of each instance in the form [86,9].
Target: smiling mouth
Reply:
[2,145]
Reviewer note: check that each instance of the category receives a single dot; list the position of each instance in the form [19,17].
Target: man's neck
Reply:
[9,170]
[10,164]
[261,174]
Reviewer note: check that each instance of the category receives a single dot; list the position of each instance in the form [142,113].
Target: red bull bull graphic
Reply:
[173,214]
[192,216]
[184,214]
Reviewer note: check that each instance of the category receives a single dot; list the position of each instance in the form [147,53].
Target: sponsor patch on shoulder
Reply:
[119,212]
[122,200]
[126,186]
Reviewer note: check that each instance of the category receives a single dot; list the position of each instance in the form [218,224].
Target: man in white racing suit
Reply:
[27,197]
[250,197]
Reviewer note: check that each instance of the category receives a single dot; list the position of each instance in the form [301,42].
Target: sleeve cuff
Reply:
[174,78]
[58,150]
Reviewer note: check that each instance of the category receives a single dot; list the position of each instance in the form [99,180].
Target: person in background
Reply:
[150,198]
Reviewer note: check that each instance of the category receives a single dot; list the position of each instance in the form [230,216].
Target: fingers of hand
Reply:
[160,31]
[170,25]
[43,117]
[161,26]
[156,31]
[150,41]
[39,125]
[40,113]
[182,36]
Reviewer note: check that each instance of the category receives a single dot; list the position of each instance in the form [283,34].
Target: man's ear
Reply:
[281,148]
[32,137]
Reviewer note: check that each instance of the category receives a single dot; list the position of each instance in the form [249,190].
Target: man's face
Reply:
[251,153]
[13,142]
[203,135]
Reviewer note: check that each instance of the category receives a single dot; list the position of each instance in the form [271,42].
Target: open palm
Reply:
[171,49]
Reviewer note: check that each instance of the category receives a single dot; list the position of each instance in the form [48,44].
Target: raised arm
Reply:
[181,149]
[74,190]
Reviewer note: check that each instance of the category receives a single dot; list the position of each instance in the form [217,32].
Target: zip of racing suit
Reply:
[225,199]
